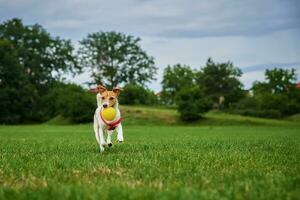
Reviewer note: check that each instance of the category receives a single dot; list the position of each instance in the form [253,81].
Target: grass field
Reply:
[226,161]
[138,115]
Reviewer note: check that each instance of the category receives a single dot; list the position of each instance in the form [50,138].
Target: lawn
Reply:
[154,162]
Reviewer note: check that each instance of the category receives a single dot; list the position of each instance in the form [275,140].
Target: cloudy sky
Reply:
[253,34]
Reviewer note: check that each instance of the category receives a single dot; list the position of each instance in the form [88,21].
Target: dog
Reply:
[107,98]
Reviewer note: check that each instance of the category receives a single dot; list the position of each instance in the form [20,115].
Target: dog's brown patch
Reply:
[109,95]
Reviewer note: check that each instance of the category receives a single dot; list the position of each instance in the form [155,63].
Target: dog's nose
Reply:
[104,105]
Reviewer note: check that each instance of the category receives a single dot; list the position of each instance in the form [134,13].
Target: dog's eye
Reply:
[102,98]
[111,98]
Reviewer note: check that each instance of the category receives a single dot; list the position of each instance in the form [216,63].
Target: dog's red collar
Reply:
[111,126]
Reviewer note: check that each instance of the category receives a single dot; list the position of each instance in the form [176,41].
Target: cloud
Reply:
[295,65]
[65,23]
[240,18]
[248,78]
[249,33]
[279,47]
[257,72]
[162,18]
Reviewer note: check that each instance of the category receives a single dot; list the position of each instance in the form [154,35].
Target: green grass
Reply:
[161,116]
[155,162]
[295,118]
[143,115]
[59,120]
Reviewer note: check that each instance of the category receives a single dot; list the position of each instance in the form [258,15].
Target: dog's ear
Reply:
[101,89]
[117,90]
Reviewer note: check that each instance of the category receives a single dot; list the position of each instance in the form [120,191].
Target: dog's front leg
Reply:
[108,140]
[96,130]
[119,130]
[102,140]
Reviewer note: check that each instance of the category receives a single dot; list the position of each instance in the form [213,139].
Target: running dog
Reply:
[107,98]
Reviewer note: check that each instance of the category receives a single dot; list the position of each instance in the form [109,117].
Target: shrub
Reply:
[281,102]
[267,105]
[191,103]
[247,103]
[275,114]
[292,107]
[71,101]
[133,94]
[78,106]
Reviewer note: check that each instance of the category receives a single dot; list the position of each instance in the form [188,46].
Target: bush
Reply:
[71,101]
[292,107]
[18,105]
[267,105]
[133,94]
[78,106]
[281,102]
[191,103]
[275,114]
[247,103]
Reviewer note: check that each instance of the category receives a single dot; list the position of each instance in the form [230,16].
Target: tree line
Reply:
[32,87]
[33,62]
[217,86]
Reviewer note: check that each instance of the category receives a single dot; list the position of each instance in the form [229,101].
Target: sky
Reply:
[253,34]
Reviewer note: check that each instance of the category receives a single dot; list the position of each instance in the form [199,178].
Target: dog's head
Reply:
[108,98]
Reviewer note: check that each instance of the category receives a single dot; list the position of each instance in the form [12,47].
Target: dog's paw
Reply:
[119,141]
[103,144]
[109,144]
[101,149]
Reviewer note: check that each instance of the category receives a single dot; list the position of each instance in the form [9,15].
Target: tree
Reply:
[116,58]
[278,91]
[176,78]
[29,57]
[17,94]
[70,101]
[136,94]
[221,80]
[278,80]
[192,103]
[40,54]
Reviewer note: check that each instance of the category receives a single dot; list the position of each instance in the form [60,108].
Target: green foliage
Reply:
[133,94]
[192,103]
[149,116]
[29,57]
[295,118]
[116,58]
[274,98]
[247,102]
[155,162]
[78,106]
[278,92]
[278,81]
[266,105]
[279,102]
[221,79]
[32,62]
[273,114]
[216,80]
[71,102]
[39,54]
[17,95]
[176,78]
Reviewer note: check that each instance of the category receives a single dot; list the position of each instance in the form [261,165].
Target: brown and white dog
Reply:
[105,99]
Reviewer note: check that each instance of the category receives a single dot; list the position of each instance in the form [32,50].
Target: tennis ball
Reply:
[109,113]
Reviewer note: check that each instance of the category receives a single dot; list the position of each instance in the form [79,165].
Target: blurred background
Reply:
[239,57]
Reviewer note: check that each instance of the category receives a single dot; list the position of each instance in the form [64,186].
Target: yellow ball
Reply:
[109,113]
